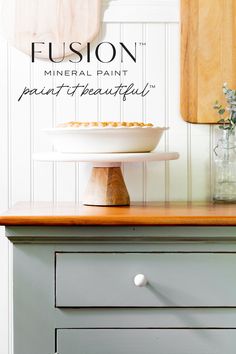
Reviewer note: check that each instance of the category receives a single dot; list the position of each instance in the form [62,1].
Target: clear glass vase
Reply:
[225,168]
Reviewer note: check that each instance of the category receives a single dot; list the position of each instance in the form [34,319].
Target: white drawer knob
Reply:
[140,280]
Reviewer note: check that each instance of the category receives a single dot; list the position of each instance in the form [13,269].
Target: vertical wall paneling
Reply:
[64,110]
[121,27]
[200,160]
[110,106]
[189,163]
[66,182]
[155,104]
[144,67]
[4,127]
[31,128]
[42,117]
[178,133]
[5,199]
[9,128]
[77,117]
[87,110]
[53,123]
[97,67]
[167,103]
[20,126]
[133,106]
[211,158]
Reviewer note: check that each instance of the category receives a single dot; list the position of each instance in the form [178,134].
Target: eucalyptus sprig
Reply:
[227,113]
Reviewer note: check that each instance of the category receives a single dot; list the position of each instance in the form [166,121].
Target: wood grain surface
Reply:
[106,187]
[69,214]
[56,21]
[208,56]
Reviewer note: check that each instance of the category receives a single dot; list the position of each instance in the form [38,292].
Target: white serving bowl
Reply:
[105,140]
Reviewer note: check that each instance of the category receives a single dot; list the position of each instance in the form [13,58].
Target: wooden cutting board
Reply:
[208,56]
[56,21]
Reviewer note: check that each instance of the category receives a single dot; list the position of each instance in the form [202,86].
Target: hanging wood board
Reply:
[208,56]
[56,21]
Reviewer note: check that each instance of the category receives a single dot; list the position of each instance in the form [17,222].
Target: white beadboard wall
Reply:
[188,179]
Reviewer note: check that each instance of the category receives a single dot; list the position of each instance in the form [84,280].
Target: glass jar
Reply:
[225,168]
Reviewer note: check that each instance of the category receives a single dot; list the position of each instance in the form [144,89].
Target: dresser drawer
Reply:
[148,341]
[174,279]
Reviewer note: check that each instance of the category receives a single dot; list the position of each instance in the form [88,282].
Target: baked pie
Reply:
[76,124]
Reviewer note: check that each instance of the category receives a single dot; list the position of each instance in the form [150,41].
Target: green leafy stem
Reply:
[227,113]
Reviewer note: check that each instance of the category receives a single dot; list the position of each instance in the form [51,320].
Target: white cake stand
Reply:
[106,186]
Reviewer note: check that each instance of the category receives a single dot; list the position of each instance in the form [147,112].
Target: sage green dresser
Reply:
[141,280]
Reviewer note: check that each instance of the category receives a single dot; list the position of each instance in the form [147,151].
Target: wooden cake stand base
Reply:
[106,186]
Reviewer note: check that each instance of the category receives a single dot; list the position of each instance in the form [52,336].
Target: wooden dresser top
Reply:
[152,214]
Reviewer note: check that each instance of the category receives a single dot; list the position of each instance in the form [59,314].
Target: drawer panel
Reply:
[148,341]
[174,279]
